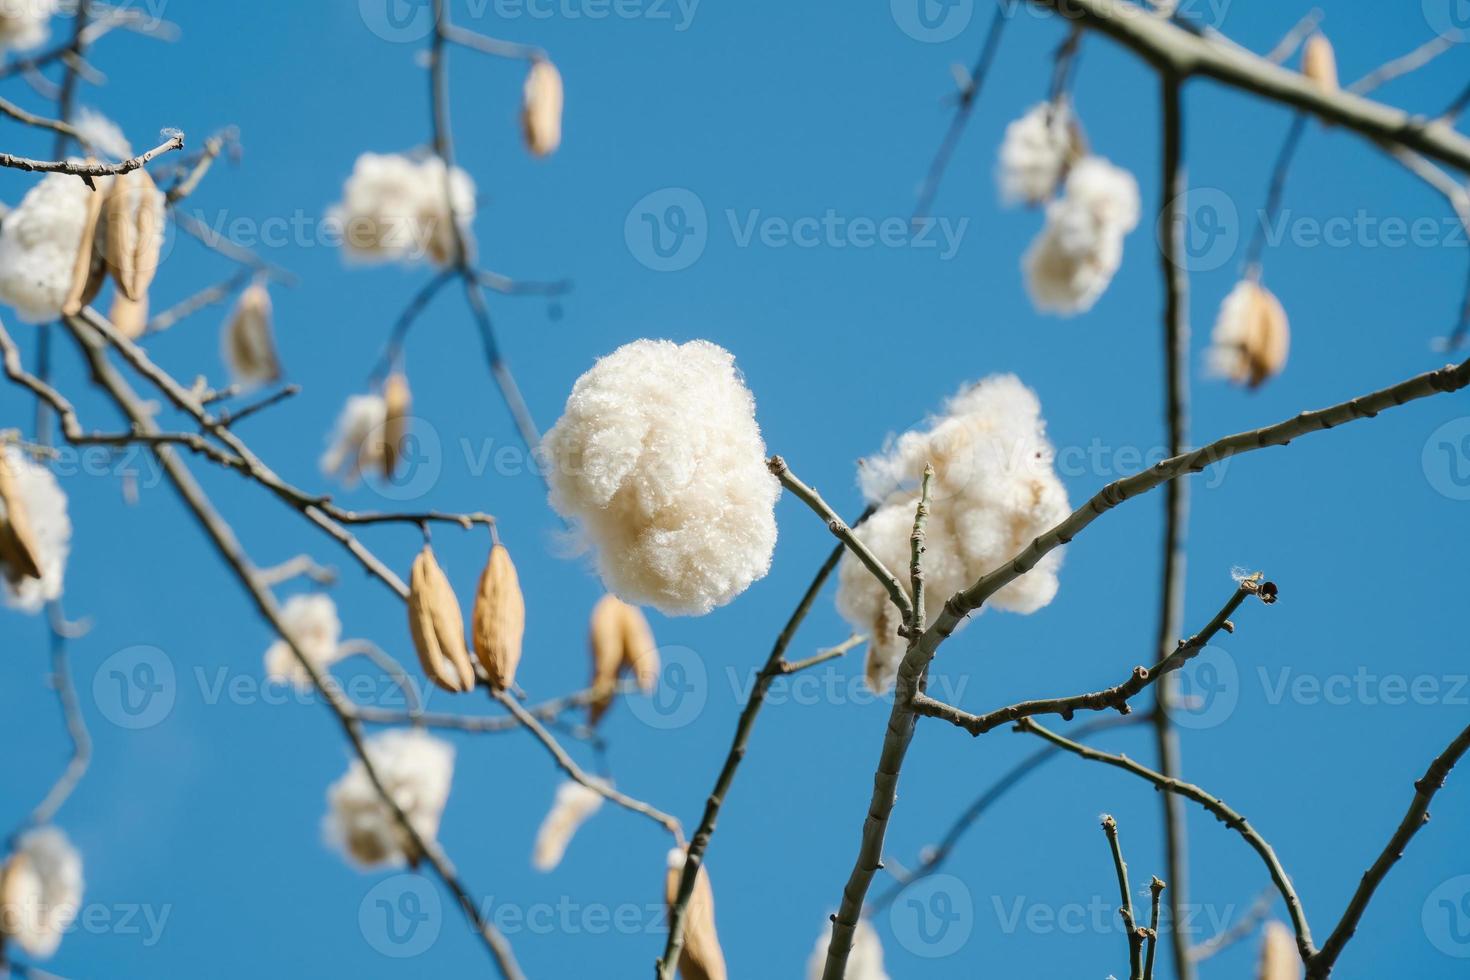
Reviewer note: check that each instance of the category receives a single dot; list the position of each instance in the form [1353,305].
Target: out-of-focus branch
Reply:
[1241,929]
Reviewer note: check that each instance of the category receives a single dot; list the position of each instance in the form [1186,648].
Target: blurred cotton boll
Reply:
[573,805]
[416,769]
[40,890]
[397,209]
[32,500]
[357,442]
[995,488]
[24,24]
[1036,152]
[1251,337]
[659,460]
[39,242]
[541,111]
[312,621]
[864,962]
[1074,258]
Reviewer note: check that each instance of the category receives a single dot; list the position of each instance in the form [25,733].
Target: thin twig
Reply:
[1125,896]
[88,171]
[1238,931]
[1156,891]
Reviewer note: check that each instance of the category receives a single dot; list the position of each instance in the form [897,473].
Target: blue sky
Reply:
[764,116]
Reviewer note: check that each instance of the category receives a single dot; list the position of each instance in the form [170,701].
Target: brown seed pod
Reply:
[542,108]
[129,316]
[249,340]
[437,626]
[701,958]
[1279,957]
[17,545]
[134,239]
[621,640]
[399,399]
[499,619]
[90,270]
[1319,63]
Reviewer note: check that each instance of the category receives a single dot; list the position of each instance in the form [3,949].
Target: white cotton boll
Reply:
[396,209]
[40,891]
[659,459]
[864,961]
[416,769]
[994,489]
[44,503]
[39,242]
[24,23]
[313,622]
[357,442]
[101,134]
[1035,153]
[573,805]
[1074,258]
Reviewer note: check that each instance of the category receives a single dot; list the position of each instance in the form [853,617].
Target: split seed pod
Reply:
[249,340]
[701,958]
[1279,957]
[17,545]
[90,270]
[1319,63]
[541,111]
[1252,335]
[437,626]
[134,241]
[621,640]
[398,399]
[499,619]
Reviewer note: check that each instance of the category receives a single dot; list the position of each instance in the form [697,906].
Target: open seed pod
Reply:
[134,240]
[437,626]
[17,544]
[90,271]
[1252,336]
[499,619]
[701,958]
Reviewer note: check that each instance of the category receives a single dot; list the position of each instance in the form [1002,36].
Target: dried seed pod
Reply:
[701,958]
[1252,336]
[129,316]
[249,339]
[541,110]
[1279,957]
[134,239]
[90,270]
[397,398]
[17,545]
[640,652]
[499,619]
[621,639]
[1319,63]
[437,625]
